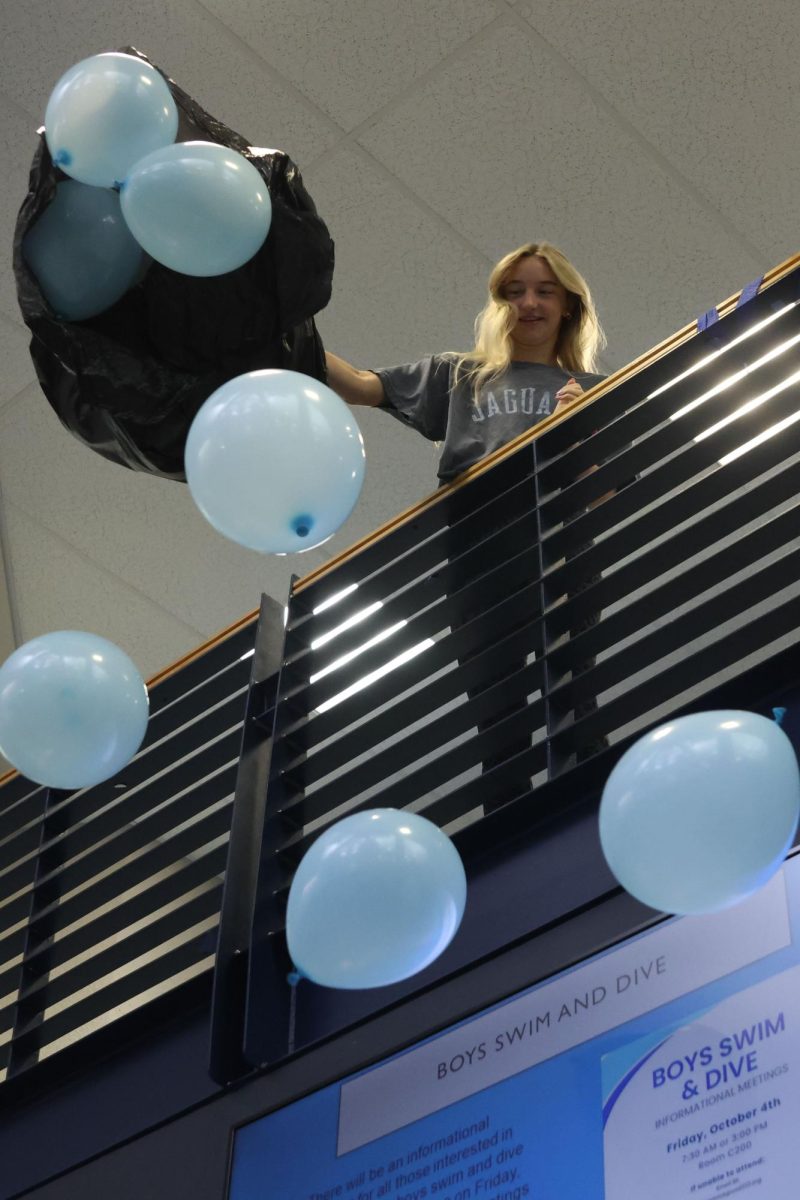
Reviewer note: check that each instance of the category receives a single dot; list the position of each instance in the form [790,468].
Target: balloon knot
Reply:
[294,977]
[302,525]
[779,714]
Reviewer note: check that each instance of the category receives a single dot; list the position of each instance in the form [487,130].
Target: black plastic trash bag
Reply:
[129,382]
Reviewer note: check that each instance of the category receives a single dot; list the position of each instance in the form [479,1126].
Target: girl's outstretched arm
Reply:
[354,386]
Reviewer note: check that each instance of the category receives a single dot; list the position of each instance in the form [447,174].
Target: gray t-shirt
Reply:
[421,395]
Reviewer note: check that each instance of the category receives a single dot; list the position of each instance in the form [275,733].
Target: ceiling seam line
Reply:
[759,256]
[423,204]
[8,405]
[10,505]
[8,578]
[462,50]
[269,69]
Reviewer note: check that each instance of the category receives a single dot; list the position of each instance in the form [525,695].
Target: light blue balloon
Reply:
[700,812]
[275,461]
[105,114]
[377,898]
[82,252]
[198,208]
[73,709]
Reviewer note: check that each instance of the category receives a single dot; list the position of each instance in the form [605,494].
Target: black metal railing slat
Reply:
[83,871]
[671,440]
[416,563]
[702,619]
[137,868]
[653,520]
[396,712]
[470,639]
[49,991]
[496,552]
[706,662]
[492,569]
[654,565]
[444,768]
[150,897]
[158,971]
[22,807]
[405,751]
[107,823]
[602,428]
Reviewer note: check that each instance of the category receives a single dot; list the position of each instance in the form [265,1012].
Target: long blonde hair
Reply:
[580,338]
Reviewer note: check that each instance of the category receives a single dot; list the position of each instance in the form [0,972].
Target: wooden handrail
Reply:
[485,464]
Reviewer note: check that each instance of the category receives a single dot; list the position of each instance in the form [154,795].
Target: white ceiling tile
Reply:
[549,164]
[58,588]
[18,141]
[220,70]
[17,146]
[714,88]
[146,532]
[7,634]
[16,368]
[354,56]
[9,308]
[405,284]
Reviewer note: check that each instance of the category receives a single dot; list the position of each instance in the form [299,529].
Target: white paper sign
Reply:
[712,1108]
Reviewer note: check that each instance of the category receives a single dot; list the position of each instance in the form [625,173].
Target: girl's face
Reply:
[540,304]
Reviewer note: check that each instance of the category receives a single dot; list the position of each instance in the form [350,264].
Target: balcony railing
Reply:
[483,659]
[110,896]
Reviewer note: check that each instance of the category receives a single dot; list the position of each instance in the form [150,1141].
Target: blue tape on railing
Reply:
[709,318]
[750,291]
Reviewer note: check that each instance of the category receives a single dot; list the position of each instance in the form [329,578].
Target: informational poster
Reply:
[667,1067]
[711,1108]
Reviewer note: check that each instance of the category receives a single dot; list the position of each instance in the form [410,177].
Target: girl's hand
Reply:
[569,392]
